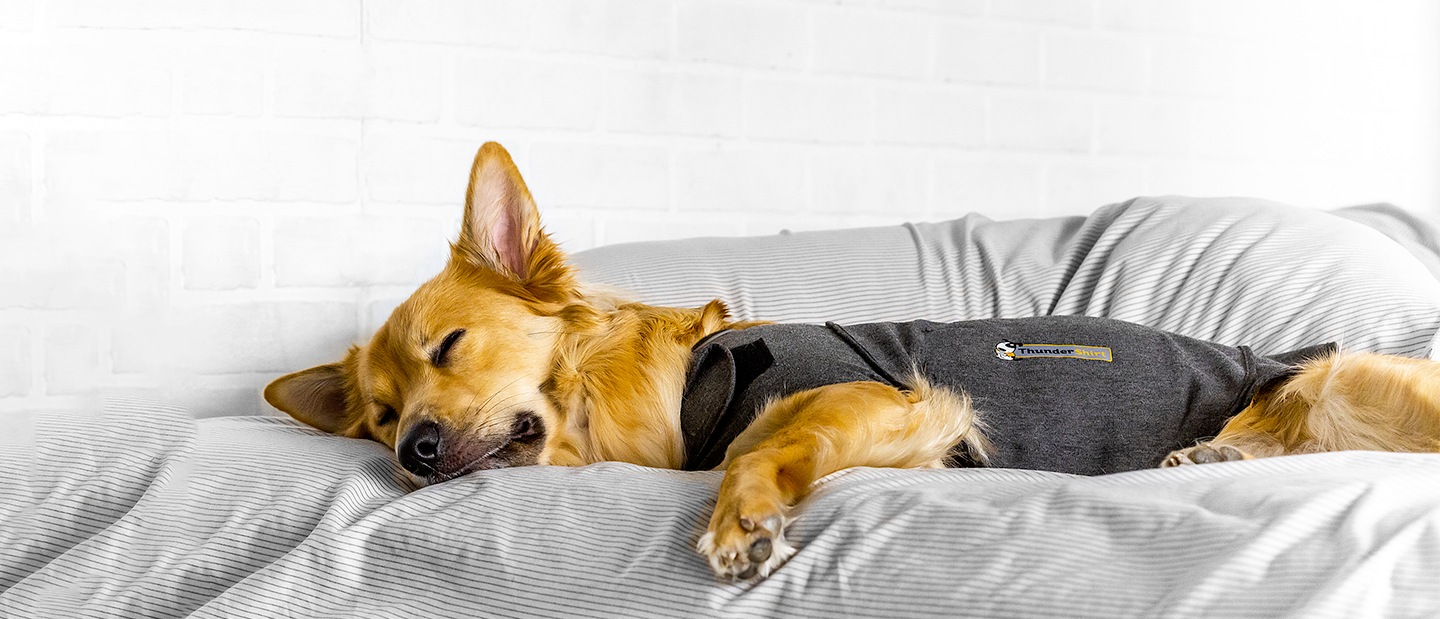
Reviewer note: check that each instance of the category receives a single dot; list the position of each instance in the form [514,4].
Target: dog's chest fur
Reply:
[1060,393]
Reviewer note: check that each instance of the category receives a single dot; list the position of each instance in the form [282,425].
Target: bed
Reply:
[134,509]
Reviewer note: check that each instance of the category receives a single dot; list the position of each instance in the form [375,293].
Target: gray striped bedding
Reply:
[140,511]
[1230,270]
[160,516]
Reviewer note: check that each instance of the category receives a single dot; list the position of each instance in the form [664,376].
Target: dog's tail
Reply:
[948,421]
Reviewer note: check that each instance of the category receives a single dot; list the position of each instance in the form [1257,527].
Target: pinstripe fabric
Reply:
[1415,234]
[155,515]
[143,512]
[1230,270]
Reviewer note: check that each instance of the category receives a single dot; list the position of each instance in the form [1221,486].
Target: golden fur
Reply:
[505,359]
[1354,401]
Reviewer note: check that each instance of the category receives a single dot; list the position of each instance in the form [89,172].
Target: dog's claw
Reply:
[1204,453]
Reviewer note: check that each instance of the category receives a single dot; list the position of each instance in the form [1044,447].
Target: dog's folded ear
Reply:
[315,396]
[501,230]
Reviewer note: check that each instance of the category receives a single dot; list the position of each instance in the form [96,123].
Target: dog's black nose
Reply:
[528,427]
[420,448]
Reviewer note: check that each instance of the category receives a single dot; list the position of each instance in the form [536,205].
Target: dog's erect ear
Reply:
[501,230]
[315,396]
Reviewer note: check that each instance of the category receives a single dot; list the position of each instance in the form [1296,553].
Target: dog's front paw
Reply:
[744,547]
[1204,453]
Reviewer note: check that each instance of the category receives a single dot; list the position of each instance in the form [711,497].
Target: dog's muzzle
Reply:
[438,453]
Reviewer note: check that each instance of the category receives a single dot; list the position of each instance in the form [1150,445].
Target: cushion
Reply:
[1237,271]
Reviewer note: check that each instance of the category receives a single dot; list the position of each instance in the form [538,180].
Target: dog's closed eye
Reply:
[388,415]
[441,355]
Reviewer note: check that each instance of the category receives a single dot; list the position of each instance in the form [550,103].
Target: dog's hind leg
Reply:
[1341,402]
[1240,439]
[800,438]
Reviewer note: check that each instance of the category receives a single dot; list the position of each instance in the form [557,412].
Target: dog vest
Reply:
[1072,394]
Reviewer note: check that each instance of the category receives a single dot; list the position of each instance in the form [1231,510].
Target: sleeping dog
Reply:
[506,359]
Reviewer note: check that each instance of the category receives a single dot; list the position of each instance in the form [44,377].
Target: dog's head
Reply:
[455,380]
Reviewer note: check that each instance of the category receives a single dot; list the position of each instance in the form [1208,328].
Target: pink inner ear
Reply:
[500,210]
[505,235]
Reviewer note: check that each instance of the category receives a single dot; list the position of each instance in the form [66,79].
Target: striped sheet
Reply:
[146,513]
[1231,270]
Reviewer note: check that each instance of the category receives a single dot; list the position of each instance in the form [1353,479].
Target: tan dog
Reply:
[505,359]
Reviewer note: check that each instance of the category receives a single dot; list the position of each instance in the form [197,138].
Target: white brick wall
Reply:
[15,179]
[196,197]
[15,378]
[221,253]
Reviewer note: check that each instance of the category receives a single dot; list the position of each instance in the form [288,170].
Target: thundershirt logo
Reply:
[1011,351]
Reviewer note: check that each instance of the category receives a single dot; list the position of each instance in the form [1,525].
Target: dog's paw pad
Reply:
[1204,453]
[760,550]
[747,549]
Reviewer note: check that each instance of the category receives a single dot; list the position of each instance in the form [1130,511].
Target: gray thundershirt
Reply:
[1072,394]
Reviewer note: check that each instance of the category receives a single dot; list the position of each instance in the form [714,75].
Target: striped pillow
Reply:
[1230,270]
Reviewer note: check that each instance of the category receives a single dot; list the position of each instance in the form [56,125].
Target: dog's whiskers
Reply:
[482,407]
[466,469]
[489,406]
